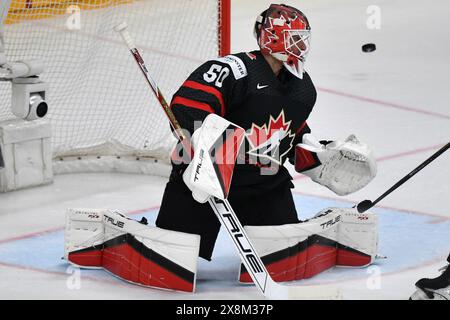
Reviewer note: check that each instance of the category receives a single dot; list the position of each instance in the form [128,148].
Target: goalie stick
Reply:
[226,215]
[367,204]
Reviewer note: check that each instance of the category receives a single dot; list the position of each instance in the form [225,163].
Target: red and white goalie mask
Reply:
[284,32]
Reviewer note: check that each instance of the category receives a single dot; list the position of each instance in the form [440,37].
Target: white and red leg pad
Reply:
[334,237]
[130,250]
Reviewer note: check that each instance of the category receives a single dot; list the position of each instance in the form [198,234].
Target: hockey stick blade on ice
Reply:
[367,204]
[226,215]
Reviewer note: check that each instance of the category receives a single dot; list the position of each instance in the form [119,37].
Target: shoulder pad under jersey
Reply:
[237,65]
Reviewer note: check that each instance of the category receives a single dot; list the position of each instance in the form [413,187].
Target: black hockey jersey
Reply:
[272,109]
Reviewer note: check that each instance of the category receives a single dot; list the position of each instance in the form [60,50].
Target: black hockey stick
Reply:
[227,216]
[2,162]
[367,204]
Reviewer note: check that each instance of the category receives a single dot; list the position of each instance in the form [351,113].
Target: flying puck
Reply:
[369,47]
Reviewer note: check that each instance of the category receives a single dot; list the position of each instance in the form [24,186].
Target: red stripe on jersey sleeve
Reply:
[301,128]
[198,86]
[192,104]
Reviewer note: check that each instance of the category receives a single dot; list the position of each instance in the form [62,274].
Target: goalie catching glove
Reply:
[216,145]
[342,166]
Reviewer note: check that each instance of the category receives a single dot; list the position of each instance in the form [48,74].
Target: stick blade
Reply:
[277,291]
[315,293]
[121,26]
[364,206]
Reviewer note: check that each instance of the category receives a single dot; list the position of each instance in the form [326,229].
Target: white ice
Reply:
[396,99]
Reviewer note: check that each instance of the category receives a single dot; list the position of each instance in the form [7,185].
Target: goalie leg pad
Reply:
[296,251]
[357,238]
[130,250]
[334,237]
[84,237]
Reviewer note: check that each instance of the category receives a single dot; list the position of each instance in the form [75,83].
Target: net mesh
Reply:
[99,102]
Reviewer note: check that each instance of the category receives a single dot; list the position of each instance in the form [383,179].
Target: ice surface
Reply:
[395,99]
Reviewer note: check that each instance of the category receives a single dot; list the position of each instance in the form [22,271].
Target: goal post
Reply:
[224,27]
[99,107]
[4,11]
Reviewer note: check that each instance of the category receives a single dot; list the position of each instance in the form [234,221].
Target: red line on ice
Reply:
[397,155]
[384,103]
[39,233]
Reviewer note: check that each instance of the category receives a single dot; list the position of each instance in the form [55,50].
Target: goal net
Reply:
[99,103]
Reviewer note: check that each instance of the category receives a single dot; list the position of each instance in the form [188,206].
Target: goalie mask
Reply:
[284,32]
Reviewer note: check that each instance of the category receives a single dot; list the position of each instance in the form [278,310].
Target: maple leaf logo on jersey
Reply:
[265,141]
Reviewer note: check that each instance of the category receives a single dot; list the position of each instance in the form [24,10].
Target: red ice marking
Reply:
[439,220]
[386,274]
[44,232]
[438,217]
[123,261]
[299,177]
[58,273]
[409,153]
[397,155]
[384,103]
[31,235]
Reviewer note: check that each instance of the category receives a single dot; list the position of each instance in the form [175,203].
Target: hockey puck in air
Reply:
[369,47]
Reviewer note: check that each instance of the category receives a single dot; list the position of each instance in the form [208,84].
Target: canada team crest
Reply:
[271,141]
